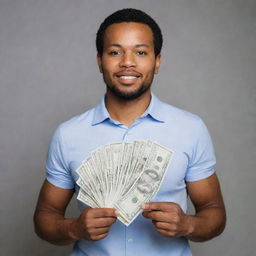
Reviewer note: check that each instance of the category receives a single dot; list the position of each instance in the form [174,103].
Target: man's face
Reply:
[128,62]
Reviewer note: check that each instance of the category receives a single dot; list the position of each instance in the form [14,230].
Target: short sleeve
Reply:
[202,160]
[57,170]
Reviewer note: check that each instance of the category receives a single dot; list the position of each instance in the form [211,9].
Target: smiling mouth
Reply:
[128,77]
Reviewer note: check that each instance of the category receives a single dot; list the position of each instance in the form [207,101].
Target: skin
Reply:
[208,222]
[129,51]
[51,225]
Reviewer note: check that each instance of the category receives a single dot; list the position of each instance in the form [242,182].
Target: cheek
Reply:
[147,66]
[107,73]
[110,65]
[149,70]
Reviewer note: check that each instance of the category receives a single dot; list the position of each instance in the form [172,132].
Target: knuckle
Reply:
[158,224]
[175,219]
[153,215]
[174,227]
[90,232]
[93,232]
[87,224]
[175,208]
[171,234]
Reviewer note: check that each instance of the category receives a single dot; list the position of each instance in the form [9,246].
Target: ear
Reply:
[99,61]
[158,63]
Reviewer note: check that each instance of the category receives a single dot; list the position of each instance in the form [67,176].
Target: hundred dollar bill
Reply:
[144,189]
[86,198]
[123,175]
[138,167]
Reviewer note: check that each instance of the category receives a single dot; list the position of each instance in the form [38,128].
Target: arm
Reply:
[52,226]
[210,218]
[208,222]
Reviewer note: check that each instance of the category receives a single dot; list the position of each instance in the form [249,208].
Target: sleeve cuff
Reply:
[200,176]
[60,183]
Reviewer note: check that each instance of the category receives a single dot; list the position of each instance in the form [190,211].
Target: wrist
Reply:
[73,230]
[190,225]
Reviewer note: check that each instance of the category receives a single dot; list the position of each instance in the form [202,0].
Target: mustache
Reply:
[128,72]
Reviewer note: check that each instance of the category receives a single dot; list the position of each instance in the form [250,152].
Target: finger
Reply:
[165,226]
[99,231]
[155,215]
[103,222]
[99,237]
[167,233]
[102,212]
[159,206]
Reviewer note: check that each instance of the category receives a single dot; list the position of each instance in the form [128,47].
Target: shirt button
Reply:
[130,240]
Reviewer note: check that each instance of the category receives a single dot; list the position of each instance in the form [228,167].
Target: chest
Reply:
[174,181]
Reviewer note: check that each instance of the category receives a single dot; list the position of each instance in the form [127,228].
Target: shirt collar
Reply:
[100,112]
[153,110]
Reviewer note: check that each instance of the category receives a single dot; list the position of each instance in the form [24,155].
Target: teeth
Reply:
[128,77]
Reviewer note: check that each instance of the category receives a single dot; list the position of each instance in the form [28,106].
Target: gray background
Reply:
[48,74]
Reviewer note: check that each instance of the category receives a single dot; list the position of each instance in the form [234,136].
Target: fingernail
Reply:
[117,213]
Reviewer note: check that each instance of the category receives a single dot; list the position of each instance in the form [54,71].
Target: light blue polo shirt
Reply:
[179,130]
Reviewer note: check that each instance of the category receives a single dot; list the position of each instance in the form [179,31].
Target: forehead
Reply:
[127,33]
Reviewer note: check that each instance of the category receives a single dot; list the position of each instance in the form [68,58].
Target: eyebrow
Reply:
[136,46]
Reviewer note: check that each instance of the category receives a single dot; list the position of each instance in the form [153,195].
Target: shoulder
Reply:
[180,117]
[75,124]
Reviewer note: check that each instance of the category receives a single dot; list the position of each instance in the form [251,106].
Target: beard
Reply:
[128,95]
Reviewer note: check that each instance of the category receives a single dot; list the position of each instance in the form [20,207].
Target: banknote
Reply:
[144,189]
[123,175]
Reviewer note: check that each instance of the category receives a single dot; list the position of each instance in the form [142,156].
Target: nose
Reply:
[127,60]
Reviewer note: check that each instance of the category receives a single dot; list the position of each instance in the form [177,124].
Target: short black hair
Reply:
[130,15]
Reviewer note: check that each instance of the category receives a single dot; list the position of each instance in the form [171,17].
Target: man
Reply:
[129,44]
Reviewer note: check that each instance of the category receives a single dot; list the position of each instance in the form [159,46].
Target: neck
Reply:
[127,111]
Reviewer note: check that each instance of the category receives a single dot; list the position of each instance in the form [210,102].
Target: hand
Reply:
[168,218]
[93,223]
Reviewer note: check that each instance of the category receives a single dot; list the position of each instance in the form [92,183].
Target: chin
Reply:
[126,95]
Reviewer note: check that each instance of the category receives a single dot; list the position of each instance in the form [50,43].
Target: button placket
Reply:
[127,133]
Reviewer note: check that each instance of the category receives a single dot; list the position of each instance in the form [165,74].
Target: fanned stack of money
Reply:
[123,176]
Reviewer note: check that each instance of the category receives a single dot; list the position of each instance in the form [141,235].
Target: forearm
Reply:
[54,228]
[206,224]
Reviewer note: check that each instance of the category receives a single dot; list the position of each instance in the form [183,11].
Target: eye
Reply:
[114,53]
[141,53]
